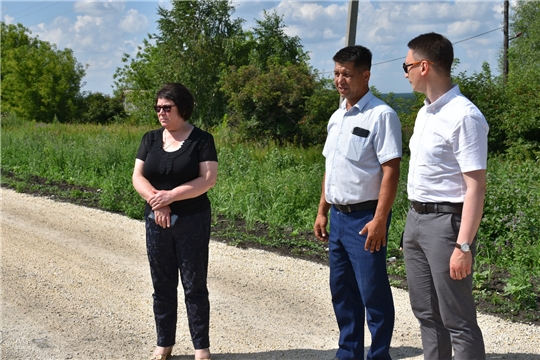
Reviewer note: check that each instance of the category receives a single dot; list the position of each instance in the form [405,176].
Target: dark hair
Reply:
[180,95]
[358,54]
[435,48]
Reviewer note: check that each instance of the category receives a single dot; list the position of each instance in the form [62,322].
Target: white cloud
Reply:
[330,34]
[314,13]
[88,22]
[133,22]
[99,35]
[8,19]
[99,8]
[56,33]
[460,29]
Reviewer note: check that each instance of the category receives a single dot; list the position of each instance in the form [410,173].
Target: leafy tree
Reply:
[39,82]
[267,98]
[192,47]
[271,46]
[524,51]
[139,81]
[523,87]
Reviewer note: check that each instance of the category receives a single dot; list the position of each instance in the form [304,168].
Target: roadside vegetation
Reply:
[267,110]
[267,195]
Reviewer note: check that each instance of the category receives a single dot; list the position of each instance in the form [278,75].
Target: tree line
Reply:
[256,81]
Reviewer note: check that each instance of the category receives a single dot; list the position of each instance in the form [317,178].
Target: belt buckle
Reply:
[348,208]
[422,208]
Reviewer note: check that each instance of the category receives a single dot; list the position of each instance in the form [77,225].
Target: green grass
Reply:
[267,195]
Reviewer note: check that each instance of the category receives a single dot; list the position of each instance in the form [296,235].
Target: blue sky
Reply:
[100,32]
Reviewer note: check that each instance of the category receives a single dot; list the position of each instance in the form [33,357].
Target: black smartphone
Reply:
[358,131]
[174,217]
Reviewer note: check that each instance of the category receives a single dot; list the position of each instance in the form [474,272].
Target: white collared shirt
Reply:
[353,162]
[449,139]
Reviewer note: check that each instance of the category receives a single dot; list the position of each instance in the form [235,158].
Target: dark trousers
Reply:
[444,307]
[184,248]
[360,288]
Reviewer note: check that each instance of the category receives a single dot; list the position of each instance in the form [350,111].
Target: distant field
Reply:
[406,96]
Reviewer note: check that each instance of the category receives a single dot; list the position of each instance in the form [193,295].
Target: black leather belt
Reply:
[366,205]
[445,208]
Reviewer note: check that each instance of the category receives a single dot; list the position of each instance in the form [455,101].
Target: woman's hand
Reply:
[160,198]
[162,216]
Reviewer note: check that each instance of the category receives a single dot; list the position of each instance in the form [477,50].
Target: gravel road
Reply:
[76,285]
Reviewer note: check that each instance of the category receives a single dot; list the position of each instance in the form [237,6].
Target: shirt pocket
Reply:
[356,147]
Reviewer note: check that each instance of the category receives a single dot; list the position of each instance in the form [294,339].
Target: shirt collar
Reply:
[360,105]
[443,100]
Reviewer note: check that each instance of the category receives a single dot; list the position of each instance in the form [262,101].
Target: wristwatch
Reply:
[463,247]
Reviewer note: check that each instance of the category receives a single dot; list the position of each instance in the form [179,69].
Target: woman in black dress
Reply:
[176,165]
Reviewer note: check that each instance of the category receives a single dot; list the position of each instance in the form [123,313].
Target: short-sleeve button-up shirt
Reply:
[359,140]
[449,139]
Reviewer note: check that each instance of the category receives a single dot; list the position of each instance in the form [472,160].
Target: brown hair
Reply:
[435,48]
[180,95]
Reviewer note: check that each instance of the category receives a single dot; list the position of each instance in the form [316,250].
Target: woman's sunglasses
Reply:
[166,108]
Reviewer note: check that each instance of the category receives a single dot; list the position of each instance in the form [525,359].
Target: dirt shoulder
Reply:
[76,285]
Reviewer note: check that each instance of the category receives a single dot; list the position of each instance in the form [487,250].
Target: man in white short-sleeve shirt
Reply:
[363,154]
[446,186]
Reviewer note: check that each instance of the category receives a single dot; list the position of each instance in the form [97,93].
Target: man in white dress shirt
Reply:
[446,186]
[363,154]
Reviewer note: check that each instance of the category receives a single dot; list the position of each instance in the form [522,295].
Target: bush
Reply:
[268,105]
[510,229]
[318,109]
[488,94]
[97,108]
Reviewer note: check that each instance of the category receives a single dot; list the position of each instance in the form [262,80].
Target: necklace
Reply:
[165,147]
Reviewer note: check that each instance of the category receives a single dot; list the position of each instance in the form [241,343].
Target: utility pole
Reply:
[351,25]
[350,36]
[505,41]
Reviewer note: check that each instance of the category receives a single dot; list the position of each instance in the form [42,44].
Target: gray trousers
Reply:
[444,307]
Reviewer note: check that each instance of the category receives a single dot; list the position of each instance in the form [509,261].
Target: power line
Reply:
[472,37]
[72,10]
[456,42]
[43,2]
[401,58]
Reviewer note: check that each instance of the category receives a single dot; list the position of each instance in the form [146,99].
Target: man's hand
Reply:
[320,227]
[376,228]
[376,234]
[460,264]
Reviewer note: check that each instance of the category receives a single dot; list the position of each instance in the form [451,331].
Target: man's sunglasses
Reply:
[407,66]
[166,108]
